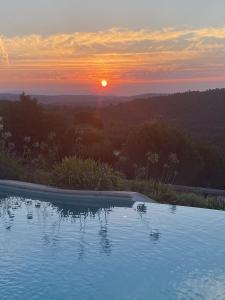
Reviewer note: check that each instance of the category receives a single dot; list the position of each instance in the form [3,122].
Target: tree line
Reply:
[38,137]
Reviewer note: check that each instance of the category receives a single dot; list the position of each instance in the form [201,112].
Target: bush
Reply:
[153,189]
[38,176]
[76,173]
[195,200]
[9,168]
[166,195]
[163,144]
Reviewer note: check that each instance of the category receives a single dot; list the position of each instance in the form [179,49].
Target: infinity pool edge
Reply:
[75,196]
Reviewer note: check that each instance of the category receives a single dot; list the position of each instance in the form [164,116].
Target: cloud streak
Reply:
[122,55]
[4,57]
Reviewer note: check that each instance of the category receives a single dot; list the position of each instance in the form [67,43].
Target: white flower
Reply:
[11,146]
[6,135]
[27,139]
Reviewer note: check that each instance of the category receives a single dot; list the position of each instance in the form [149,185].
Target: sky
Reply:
[138,46]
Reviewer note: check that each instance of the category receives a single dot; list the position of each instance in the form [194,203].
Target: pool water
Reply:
[149,251]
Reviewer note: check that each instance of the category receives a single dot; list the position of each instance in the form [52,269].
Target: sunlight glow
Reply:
[104,83]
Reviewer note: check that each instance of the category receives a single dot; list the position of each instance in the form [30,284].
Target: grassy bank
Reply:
[75,173]
[167,195]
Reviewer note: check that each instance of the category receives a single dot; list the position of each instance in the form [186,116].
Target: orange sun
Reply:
[104,83]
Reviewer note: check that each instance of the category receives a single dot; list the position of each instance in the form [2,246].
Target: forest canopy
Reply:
[36,136]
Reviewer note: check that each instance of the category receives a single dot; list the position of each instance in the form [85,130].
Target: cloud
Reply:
[4,57]
[121,54]
[113,41]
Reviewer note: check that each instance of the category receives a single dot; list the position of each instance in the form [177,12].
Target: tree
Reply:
[156,137]
[213,170]
[26,118]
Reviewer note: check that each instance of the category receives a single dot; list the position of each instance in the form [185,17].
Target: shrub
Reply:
[9,168]
[38,176]
[76,173]
[196,200]
[155,144]
[166,195]
[152,189]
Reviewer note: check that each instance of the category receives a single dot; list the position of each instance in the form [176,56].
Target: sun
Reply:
[104,83]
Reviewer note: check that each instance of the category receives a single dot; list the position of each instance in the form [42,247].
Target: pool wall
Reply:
[42,192]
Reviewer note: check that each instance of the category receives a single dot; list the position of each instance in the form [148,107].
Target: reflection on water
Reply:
[54,214]
[173,209]
[142,208]
[146,252]
[210,286]
[154,233]
[105,242]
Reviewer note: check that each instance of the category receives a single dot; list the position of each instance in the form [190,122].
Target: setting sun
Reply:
[104,83]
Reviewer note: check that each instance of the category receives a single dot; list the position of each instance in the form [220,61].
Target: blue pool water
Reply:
[144,252]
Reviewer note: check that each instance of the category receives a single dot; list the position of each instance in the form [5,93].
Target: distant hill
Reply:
[78,100]
[9,97]
[202,114]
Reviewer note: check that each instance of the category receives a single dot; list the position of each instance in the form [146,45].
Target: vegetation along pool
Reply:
[55,250]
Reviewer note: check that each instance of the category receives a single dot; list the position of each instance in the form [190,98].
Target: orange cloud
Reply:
[123,55]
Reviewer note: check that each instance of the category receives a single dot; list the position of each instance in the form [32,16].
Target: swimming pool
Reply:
[142,251]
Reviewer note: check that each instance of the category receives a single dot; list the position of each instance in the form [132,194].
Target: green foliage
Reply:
[166,195]
[212,173]
[201,114]
[88,117]
[196,200]
[190,199]
[39,136]
[102,152]
[76,173]
[25,119]
[152,189]
[155,144]
[10,168]
[38,176]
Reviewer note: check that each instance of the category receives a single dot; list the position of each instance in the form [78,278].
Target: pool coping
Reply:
[34,188]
